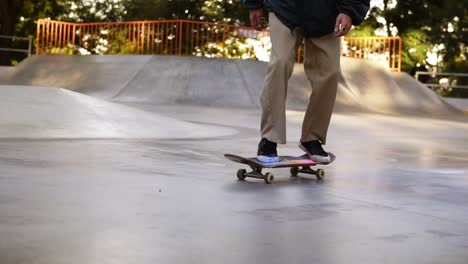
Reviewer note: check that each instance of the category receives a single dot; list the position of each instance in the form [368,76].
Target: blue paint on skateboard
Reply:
[284,162]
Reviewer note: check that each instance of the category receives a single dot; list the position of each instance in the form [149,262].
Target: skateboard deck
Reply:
[298,164]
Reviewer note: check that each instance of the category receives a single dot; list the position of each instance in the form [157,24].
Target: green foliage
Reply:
[233,48]
[95,10]
[415,46]
[120,45]
[32,10]
[224,11]
[362,31]
[459,65]
[208,10]
[367,28]
[68,50]
[106,42]
[443,22]
[163,9]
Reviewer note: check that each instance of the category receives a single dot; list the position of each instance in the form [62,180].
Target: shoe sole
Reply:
[266,159]
[316,158]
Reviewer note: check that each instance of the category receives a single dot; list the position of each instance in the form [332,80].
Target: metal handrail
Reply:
[449,74]
[456,74]
[448,85]
[13,38]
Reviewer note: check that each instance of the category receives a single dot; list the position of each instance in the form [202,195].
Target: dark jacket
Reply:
[316,17]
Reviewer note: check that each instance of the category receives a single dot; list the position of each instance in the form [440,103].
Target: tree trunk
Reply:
[9,11]
[387,17]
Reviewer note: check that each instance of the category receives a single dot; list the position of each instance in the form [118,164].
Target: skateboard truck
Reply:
[319,173]
[269,177]
[255,173]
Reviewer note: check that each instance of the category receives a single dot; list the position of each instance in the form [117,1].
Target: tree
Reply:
[18,17]
[225,11]
[162,9]
[427,26]
[208,10]
[25,22]
[95,10]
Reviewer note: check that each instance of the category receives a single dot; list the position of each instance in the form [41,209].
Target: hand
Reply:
[256,19]
[343,25]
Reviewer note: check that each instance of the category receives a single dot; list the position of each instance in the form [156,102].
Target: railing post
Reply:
[389,49]
[180,37]
[142,38]
[38,28]
[74,35]
[30,47]
[224,33]
[399,54]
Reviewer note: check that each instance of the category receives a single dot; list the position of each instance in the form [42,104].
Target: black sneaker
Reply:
[315,151]
[267,151]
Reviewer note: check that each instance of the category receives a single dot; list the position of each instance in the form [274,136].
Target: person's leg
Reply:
[273,98]
[322,67]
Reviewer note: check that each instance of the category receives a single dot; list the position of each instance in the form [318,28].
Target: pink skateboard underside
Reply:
[285,161]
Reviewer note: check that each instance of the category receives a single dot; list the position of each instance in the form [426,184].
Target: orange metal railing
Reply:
[374,48]
[183,37]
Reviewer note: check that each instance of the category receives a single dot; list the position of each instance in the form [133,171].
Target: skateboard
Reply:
[300,164]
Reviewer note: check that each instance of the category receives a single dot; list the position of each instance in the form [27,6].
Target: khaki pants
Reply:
[322,67]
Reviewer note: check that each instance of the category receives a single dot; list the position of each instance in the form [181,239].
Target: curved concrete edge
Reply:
[196,81]
[98,76]
[459,103]
[300,90]
[6,72]
[379,90]
[41,112]
[365,85]
[428,101]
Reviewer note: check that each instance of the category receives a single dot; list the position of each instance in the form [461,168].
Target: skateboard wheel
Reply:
[294,171]
[320,174]
[241,174]
[269,178]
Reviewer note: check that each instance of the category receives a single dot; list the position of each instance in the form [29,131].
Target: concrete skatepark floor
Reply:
[396,194]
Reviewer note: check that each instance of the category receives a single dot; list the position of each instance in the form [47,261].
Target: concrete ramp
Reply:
[459,103]
[418,96]
[196,81]
[99,76]
[38,112]
[300,90]
[5,72]
[215,82]
[377,89]
[364,85]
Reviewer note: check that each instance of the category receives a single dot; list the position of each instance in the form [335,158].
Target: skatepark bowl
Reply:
[119,159]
